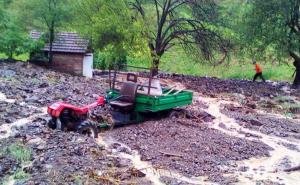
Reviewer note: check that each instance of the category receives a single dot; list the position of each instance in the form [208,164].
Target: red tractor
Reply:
[67,117]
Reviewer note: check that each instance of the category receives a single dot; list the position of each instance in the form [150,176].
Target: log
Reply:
[170,154]
[296,168]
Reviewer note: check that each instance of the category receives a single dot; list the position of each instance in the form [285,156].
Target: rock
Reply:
[243,168]
[3,131]
[7,73]
[41,147]
[32,99]
[255,122]
[43,85]
[136,173]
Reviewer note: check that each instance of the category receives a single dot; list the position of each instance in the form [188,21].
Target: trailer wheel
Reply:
[88,128]
[52,123]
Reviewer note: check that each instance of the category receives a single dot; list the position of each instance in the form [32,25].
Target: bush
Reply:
[108,60]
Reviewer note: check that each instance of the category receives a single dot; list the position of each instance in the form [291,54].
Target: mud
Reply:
[11,112]
[38,86]
[215,87]
[281,127]
[237,141]
[66,158]
[189,147]
[57,157]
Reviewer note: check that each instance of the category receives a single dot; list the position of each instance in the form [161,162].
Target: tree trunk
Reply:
[51,40]
[297,76]
[155,65]
[10,57]
[296,58]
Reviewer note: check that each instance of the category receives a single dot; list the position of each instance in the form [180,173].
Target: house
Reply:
[71,54]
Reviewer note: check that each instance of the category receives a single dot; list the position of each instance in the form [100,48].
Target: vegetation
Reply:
[13,40]
[206,37]
[274,26]
[20,153]
[47,16]
[187,23]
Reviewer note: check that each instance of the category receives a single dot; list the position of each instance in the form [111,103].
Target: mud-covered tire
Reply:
[88,128]
[52,123]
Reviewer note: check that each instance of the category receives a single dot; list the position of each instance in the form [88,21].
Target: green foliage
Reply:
[44,14]
[20,175]
[13,38]
[257,29]
[20,152]
[110,27]
[100,61]
[267,28]
[110,60]
[177,61]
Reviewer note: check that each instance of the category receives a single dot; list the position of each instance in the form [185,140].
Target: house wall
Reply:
[68,62]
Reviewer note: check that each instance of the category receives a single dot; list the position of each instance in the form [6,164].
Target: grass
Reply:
[23,155]
[20,175]
[23,57]
[20,152]
[177,61]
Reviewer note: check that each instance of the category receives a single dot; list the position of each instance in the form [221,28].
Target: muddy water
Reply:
[3,98]
[152,173]
[7,130]
[268,168]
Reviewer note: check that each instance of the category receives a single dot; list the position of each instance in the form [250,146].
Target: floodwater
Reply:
[266,168]
[4,98]
[259,169]
[153,174]
[6,130]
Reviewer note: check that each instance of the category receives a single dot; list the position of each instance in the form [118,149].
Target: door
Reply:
[88,65]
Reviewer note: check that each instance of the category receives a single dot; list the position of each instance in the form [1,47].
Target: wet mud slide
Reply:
[31,153]
[235,132]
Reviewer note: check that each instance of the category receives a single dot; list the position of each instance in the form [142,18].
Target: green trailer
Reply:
[131,102]
[146,103]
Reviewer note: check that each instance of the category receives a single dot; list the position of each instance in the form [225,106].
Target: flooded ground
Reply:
[236,132]
[265,168]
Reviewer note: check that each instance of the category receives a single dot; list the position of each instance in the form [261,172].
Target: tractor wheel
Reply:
[60,125]
[52,123]
[88,128]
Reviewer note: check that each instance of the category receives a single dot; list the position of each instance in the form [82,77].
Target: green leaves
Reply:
[110,27]
[268,28]
[13,37]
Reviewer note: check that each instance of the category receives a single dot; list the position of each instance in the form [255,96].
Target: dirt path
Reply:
[261,169]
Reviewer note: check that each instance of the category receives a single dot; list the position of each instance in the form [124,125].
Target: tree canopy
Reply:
[13,37]
[274,26]
[191,24]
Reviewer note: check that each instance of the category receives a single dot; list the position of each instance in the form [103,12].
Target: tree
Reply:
[48,15]
[191,23]
[275,25]
[110,28]
[13,37]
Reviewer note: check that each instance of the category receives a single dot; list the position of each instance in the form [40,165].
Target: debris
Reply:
[7,73]
[296,168]
[170,154]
